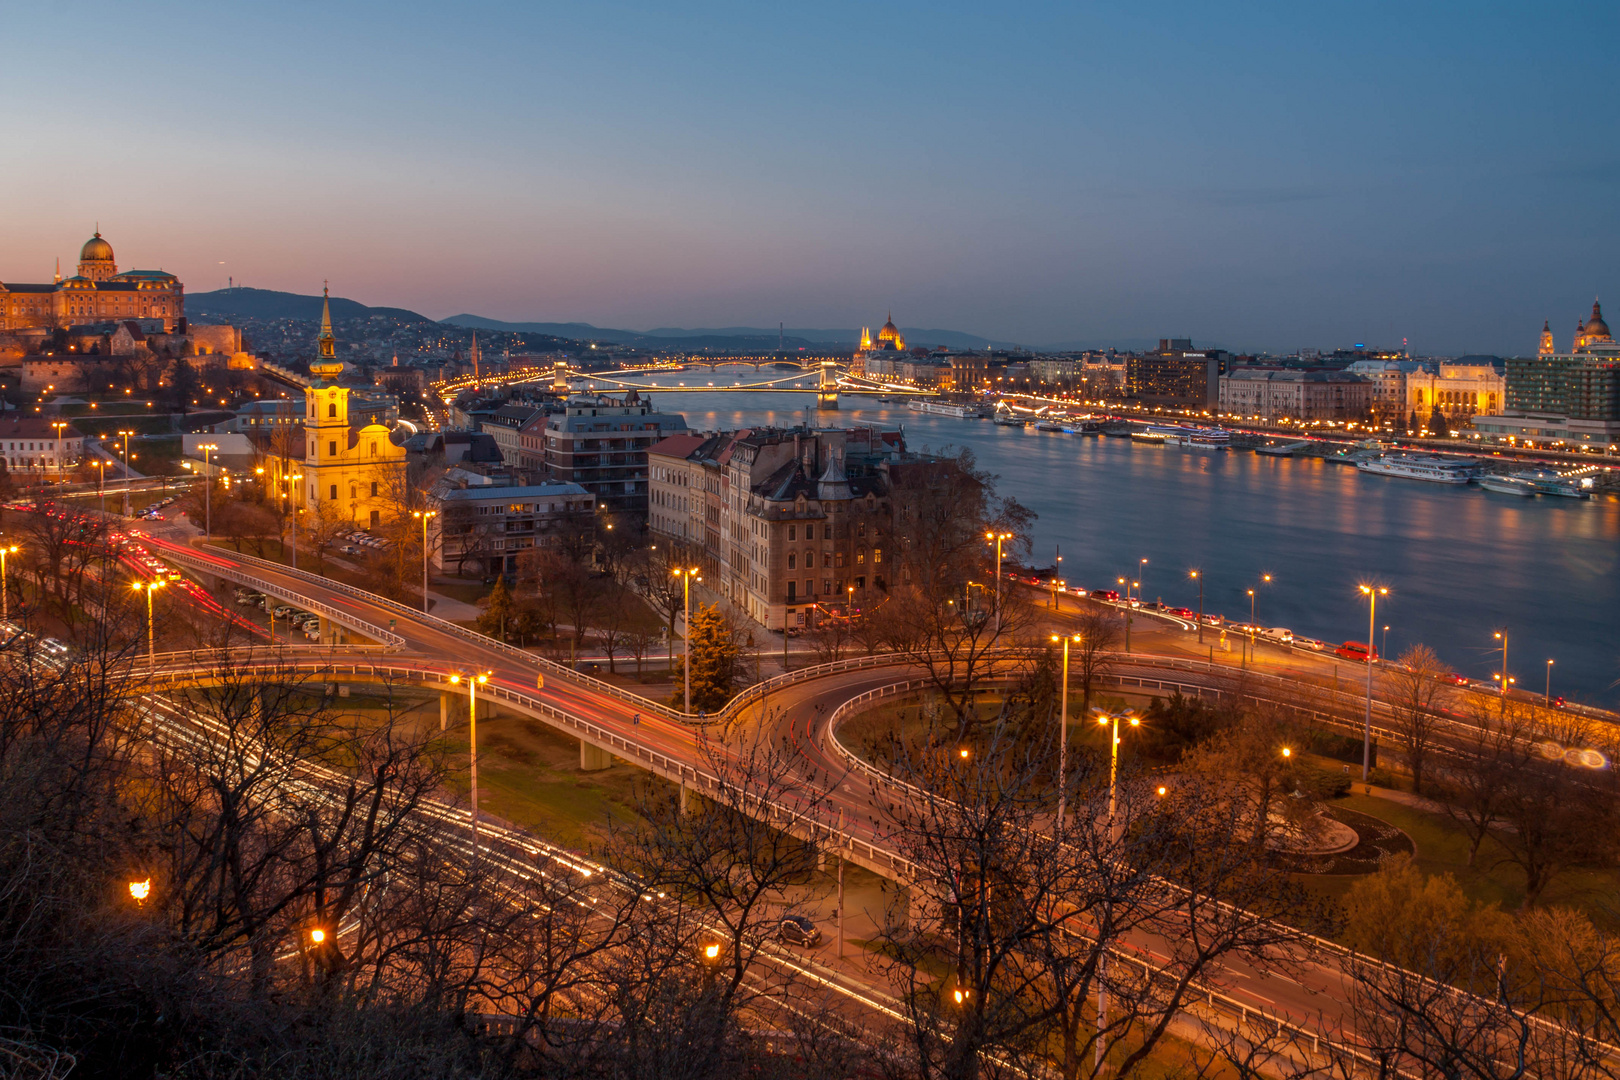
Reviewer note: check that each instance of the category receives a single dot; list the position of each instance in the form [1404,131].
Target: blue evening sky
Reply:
[1254,175]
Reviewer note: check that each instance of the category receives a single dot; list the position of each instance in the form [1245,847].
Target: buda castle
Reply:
[97,293]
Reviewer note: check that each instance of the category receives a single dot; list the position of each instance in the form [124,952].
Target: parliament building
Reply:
[97,293]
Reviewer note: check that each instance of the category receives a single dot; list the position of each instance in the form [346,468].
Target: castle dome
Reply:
[96,250]
[1595,326]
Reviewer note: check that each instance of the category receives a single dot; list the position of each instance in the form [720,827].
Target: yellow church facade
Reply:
[351,467]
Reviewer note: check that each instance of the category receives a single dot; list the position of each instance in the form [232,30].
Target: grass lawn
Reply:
[1442,848]
[529,774]
[100,425]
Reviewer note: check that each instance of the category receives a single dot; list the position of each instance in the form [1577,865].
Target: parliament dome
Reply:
[1595,326]
[96,250]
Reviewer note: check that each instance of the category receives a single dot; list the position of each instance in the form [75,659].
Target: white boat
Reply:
[1158,434]
[945,408]
[1427,467]
[1203,439]
[1508,485]
[1549,482]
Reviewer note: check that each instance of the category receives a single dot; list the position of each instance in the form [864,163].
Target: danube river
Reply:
[1460,563]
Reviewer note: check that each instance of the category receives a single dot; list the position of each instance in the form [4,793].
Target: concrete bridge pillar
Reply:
[593,758]
[687,800]
[446,700]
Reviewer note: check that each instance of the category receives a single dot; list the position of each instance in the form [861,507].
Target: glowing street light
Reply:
[1372,593]
[1198,576]
[140,890]
[687,574]
[5,595]
[208,491]
[998,538]
[425,515]
[473,681]
[148,587]
[1063,735]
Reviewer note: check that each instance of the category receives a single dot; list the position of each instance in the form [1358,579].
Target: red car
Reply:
[1455,679]
[1183,613]
[1355,650]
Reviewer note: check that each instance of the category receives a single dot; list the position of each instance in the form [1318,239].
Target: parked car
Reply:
[349,549]
[284,611]
[798,930]
[244,599]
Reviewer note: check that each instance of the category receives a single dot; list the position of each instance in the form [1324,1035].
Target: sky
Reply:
[1250,175]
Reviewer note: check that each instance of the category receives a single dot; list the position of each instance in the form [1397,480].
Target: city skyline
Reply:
[1254,180]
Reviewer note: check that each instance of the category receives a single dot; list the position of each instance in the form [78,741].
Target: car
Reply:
[1454,679]
[1280,634]
[1313,644]
[244,599]
[1357,651]
[312,634]
[349,549]
[1183,613]
[284,611]
[1111,595]
[1215,620]
[798,930]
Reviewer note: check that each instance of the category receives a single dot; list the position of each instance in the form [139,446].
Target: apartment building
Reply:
[783,521]
[484,522]
[601,444]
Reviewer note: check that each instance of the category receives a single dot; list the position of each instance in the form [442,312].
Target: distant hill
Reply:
[242,303]
[724,338]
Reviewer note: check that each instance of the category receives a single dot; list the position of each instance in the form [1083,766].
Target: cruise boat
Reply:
[1156,434]
[1203,438]
[945,408]
[1435,470]
[1508,485]
[1049,425]
[1549,482]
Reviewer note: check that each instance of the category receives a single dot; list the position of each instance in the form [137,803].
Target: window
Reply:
[826,585]
[809,532]
[860,530]
[334,493]
[860,557]
[793,590]
[793,561]
[374,489]
[838,560]
[877,555]
[374,454]
[331,409]
[331,448]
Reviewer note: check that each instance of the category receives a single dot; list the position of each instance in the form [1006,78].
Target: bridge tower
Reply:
[827,386]
[559,377]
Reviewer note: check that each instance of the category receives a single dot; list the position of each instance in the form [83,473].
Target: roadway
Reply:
[796,716]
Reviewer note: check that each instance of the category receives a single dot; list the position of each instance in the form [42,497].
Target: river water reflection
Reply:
[1460,563]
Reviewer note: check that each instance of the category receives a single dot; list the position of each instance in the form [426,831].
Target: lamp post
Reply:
[473,682]
[57,426]
[1503,638]
[1383,647]
[1199,577]
[1110,719]
[1057,583]
[296,509]
[126,435]
[1372,593]
[998,538]
[1141,576]
[1063,735]
[686,574]
[101,484]
[208,491]
[425,515]
[5,585]
[147,587]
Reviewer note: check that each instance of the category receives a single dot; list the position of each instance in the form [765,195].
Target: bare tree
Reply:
[1417,698]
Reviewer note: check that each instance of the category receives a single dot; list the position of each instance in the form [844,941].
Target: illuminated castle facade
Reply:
[97,293]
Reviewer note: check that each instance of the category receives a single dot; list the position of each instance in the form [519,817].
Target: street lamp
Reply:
[296,509]
[1372,593]
[5,594]
[208,491]
[1057,582]
[58,426]
[1106,719]
[101,479]
[473,682]
[1141,576]
[126,435]
[1547,698]
[1198,576]
[687,574]
[998,538]
[1063,735]
[1503,638]
[425,515]
[147,587]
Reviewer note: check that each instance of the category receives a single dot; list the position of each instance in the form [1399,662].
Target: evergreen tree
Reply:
[1412,424]
[1437,423]
[714,660]
[498,609]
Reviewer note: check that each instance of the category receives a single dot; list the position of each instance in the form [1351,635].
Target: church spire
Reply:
[328,348]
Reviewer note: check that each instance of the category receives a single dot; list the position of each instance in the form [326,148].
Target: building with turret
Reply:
[1568,398]
[97,293]
[350,460]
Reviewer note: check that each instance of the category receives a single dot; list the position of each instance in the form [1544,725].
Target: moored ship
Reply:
[1426,467]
